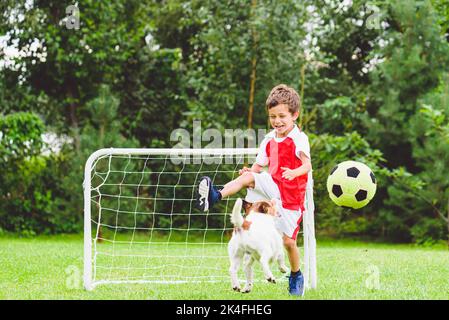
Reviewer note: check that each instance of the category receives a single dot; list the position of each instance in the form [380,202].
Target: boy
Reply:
[286,152]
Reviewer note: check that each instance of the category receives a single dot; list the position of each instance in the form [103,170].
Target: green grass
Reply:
[51,268]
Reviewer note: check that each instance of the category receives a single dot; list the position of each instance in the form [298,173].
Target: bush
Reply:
[428,231]
[29,203]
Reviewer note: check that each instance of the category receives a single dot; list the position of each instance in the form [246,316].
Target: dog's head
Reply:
[262,206]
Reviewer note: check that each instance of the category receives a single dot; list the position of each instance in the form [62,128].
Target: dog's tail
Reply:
[236,216]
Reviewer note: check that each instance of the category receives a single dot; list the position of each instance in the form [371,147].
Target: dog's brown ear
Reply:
[264,207]
[246,205]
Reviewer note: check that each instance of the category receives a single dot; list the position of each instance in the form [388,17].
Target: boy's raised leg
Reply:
[246,180]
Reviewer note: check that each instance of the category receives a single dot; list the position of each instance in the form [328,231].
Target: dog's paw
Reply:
[283,269]
[236,289]
[247,289]
[272,280]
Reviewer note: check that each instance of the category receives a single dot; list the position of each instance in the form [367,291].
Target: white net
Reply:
[141,221]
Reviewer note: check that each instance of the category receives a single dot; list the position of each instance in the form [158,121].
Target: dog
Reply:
[259,241]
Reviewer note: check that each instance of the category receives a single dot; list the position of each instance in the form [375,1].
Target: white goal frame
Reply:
[308,258]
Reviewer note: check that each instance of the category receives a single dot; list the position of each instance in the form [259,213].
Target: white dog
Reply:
[261,241]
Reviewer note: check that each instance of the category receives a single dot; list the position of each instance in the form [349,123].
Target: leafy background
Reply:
[136,70]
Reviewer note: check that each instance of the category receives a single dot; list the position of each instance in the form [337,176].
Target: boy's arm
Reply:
[306,166]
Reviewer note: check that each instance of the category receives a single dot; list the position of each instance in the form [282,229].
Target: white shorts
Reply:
[266,189]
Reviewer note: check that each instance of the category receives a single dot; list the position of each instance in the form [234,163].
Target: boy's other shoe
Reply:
[296,285]
[207,194]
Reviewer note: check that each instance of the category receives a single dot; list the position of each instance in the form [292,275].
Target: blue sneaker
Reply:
[207,194]
[296,285]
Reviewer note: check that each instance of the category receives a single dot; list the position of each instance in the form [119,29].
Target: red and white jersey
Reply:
[284,152]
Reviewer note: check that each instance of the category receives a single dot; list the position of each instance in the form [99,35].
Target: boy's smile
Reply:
[282,120]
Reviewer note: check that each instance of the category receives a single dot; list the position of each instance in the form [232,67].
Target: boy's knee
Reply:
[248,175]
[289,243]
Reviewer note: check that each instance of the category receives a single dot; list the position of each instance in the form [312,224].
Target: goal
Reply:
[141,224]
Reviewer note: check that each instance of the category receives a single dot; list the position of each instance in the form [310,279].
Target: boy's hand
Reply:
[288,174]
[243,170]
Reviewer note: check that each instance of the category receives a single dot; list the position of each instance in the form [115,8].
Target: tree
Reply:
[414,58]
[71,64]
[430,129]
[240,53]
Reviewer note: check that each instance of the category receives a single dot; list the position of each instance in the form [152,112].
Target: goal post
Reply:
[141,224]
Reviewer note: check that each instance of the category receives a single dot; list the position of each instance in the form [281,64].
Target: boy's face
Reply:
[282,120]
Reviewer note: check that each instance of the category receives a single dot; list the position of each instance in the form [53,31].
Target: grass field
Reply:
[51,268]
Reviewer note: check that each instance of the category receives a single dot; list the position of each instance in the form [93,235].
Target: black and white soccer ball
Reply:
[351,184]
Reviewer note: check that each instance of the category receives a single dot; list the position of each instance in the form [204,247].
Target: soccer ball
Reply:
[351,184]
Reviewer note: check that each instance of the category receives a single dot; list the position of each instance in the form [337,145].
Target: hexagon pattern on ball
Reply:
[351,184]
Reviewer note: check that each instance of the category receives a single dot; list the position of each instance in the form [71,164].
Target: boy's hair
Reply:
[283,94]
